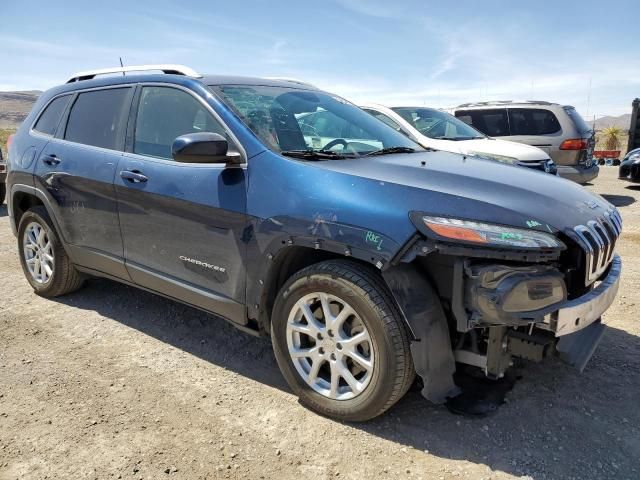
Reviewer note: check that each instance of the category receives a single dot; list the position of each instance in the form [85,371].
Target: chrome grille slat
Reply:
[612,236]
[618,221]
[598,240]
[606,244]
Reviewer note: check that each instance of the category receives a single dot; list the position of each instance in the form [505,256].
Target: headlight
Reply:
[635,158]
[489,234]
[493,156]
[499,291]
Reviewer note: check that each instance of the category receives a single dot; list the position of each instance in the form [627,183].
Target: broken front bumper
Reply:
[578,324]
[573,330]
[583,311]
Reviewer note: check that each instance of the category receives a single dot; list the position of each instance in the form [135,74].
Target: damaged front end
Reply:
[498,304]
[524,312]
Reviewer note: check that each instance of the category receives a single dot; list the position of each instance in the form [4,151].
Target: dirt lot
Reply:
[111,382]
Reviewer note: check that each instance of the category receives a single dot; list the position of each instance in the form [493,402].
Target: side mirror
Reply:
[202,147]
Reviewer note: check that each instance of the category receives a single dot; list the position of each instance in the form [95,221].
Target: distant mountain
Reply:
[15,106]
[622,121]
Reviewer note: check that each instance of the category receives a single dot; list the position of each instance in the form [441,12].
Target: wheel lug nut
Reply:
[333,356]
[338,346]
[321,351]
[330,333]
[319,336]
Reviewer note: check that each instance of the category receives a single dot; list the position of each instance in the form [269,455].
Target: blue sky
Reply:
[396,52]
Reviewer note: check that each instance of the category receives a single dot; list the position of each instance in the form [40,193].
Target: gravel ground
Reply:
[112,382]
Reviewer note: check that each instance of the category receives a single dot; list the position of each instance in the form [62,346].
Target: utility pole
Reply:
[589,98]
[531,97]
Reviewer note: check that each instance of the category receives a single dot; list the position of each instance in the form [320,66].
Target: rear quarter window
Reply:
[98,118]
[533,121]
[50,118]
[577,120]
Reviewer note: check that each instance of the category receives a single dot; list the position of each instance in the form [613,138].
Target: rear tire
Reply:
[354,329]
[44,261]
[3,192]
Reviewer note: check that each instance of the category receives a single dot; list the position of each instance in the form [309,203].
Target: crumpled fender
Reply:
[430,344]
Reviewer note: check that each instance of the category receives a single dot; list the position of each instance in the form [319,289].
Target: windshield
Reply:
[436,124]
[289,120]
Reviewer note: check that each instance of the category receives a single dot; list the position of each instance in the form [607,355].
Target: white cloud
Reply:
[276,55]
[372,8]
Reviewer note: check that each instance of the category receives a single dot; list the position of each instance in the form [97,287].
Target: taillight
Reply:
[574,144]
[9,141]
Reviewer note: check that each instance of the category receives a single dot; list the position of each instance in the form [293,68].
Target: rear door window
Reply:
[50,117]
[533,121]
[99,118]
[492,122]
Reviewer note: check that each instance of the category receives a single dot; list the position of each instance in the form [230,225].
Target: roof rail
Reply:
[164,68]
[482,104]
[540,102]
[292,80]
[504,102]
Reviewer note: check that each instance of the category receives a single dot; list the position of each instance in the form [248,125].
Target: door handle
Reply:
[51,159]
[133,176]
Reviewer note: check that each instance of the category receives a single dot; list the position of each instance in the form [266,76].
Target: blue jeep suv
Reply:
[365,257]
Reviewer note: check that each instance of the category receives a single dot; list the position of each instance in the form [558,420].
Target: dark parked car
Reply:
[630,166]
[366,258]
[3,177]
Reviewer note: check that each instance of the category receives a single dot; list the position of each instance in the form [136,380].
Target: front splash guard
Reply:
[431,344]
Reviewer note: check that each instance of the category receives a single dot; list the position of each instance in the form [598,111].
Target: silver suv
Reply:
[557,129]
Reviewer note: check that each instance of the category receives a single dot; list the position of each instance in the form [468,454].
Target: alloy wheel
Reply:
[38,253]
[330,346]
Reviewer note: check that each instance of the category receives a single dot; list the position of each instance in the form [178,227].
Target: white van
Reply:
[439,130]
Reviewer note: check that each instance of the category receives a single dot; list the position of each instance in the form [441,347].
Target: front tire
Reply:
[340,341]
[44,261]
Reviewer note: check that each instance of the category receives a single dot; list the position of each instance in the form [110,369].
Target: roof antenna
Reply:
[121,64]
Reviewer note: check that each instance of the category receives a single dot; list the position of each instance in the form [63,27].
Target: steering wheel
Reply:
[309,130]
[337,141]
[437,123]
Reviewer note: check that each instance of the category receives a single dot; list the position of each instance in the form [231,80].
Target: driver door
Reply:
[182,223]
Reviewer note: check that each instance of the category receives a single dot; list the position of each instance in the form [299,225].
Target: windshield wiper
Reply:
[315,154]
[389,150]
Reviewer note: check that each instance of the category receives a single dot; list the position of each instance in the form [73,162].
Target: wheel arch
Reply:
[21,201]
[282,266]
[24,197]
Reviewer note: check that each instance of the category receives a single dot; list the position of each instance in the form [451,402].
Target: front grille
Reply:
[598,240]
[544,165]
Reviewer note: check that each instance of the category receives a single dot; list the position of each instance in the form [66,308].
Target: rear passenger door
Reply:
[183,224]
[77,168]
[535,126]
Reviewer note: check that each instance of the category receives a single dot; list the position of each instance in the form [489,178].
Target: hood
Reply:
[453,185]
[490,146]
[503,147]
